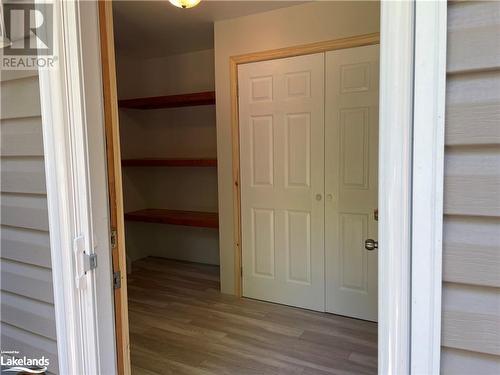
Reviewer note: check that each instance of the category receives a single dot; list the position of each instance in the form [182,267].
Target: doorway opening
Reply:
[297,294]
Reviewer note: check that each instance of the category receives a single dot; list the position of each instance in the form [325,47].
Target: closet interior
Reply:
[168,147]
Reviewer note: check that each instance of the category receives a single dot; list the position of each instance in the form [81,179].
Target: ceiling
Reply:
[157,28]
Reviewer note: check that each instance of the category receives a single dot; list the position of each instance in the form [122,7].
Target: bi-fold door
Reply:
[351,180]
[282,180]
[308,164]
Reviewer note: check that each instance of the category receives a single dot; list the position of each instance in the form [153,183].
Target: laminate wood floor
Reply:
[181,324]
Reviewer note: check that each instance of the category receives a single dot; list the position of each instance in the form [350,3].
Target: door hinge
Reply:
[90,262]
[113,238]
[117,280]
[84,261]
[241,271]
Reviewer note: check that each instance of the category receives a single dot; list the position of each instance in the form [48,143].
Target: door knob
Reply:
[371,244]
[318,197]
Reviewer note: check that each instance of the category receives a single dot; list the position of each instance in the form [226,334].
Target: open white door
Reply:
[351,179]
[75,164]
[282,180]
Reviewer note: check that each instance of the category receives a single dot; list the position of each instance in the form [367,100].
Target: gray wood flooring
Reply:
[181,324]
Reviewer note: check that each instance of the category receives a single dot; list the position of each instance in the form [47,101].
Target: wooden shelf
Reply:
[160,162]
[174,217]
[170,101]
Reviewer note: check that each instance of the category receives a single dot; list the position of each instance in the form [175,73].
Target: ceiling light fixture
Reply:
[184,3]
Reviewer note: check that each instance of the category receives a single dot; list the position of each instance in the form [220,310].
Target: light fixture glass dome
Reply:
[185,3]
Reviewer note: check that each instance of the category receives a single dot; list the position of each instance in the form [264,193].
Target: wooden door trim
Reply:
[234,61]
[112,135]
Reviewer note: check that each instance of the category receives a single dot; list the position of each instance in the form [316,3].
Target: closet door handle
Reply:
[371,245]
[319,197]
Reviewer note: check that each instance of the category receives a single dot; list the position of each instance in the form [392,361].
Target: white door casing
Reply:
[351,181]
[282,180]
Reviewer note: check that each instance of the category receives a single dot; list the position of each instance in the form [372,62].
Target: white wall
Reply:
[300,24]
[178,132]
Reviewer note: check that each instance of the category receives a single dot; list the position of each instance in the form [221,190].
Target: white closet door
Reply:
[281,112]
[351,179]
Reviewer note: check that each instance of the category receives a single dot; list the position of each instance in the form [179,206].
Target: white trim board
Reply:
[428,162]
[412,102]
[395,165]
[54,133]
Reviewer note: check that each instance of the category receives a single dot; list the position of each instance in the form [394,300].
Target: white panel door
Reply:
[351,179]
[281,113]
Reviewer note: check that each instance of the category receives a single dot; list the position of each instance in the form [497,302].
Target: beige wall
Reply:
[170,75]
[300,24]
[179,132]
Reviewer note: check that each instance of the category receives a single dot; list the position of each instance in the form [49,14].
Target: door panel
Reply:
[262,150]
[298,247]
[111,122]
[298,152]
[351,179]
[263,243]
[352,257]
[281,113]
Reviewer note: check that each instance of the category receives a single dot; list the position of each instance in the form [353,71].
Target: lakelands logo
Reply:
[26,36]
[12,363]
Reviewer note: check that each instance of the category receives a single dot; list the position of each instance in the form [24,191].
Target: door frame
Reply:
[234,61]
[113,160]
[428,185]
[412,38]
[411,153]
